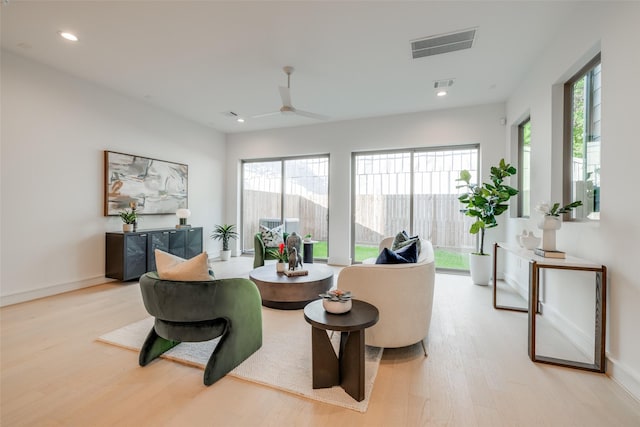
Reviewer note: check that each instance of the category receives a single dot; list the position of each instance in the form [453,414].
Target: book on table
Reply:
[549,254]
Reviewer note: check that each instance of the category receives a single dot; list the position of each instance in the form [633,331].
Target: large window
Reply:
[293,192]
[415,191]
[524,168]
[582,94]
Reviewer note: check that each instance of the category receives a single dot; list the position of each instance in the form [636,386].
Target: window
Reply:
[582,94]
[524,168]
[293,192]
[415,191]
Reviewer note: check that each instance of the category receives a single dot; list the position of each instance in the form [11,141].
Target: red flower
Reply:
[281,248]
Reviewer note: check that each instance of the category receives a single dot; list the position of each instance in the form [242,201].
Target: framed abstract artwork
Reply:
[153,186]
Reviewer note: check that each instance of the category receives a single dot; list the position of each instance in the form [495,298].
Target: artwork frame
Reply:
[153,186]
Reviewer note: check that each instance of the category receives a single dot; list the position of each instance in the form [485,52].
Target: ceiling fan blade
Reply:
[274,113]
[285,94]
[311,115]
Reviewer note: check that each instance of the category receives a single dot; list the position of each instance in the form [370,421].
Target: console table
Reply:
[129,255]
[536,264]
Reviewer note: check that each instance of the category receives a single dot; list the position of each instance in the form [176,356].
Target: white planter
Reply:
[280,267]
[336,307]
[225,255]
[480,269]
[549,224]
[127,228]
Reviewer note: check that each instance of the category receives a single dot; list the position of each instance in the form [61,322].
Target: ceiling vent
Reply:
[443,43]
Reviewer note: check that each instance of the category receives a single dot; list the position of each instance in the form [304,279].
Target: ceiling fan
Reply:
[287,108]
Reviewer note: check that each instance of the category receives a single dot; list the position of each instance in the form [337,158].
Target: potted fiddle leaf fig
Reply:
[484,202]
[224,232]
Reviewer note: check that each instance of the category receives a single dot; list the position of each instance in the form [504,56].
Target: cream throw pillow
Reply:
[171,267]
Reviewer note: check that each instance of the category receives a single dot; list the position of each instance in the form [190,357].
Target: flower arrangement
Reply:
[281,254]
[337,295]
[555,210]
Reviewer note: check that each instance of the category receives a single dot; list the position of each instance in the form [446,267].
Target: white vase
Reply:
[480,269]
[549,224]
[225,255]
[280,267]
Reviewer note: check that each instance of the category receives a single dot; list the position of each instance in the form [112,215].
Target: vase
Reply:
[549,224]
[127,228]
[336,307]
[280,267]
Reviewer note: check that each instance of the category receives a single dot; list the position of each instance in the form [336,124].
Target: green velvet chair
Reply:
[201,311]
[260,251]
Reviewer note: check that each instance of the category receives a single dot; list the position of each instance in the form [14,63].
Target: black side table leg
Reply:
[326,371]
[352,363]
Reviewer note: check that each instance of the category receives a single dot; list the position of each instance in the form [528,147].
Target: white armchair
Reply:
[403,294]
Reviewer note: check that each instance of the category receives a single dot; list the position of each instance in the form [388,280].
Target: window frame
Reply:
[567,136]
[520,199]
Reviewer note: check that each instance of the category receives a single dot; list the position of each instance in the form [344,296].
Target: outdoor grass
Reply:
[444,258]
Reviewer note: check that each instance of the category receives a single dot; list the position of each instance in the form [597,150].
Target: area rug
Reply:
[283,362]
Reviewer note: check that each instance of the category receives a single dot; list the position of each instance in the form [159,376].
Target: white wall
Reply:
[613,241]
[54,130]
[460,126]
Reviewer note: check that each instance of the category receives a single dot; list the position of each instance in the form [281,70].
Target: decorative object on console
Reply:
[128,218]
[484,203]
[156,186]
[528,240]
[336,301]
[307,238]
[551,221]
[182,215]
[549,254]
[224,232]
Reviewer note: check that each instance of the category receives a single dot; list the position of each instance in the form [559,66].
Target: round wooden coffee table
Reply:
[291,293]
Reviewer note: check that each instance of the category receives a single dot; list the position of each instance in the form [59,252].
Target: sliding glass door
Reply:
[290,191]
[415,191]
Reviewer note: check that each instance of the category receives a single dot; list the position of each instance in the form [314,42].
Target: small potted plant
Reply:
[224,232]
[280,254]
[551,221]
[129,218]
[336,301]
[484,202]
[307,238]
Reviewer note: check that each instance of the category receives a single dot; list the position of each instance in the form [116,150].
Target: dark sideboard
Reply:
[130,255]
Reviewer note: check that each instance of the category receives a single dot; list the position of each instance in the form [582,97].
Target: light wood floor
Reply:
[478,373]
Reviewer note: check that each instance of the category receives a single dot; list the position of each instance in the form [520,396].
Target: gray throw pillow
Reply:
[403,239]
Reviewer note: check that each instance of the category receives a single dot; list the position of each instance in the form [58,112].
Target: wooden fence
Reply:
[437,218]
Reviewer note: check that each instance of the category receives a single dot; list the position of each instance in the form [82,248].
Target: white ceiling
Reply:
[200,59]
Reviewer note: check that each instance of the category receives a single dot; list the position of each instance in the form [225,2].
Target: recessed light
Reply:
[240,120]
[441,93]
[68,36]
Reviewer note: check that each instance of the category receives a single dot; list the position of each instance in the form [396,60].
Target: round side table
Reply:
[347,368]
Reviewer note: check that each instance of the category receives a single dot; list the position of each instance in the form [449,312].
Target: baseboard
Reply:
[522,290]
[624,377]
[569,330]
[339,261]
[48,291]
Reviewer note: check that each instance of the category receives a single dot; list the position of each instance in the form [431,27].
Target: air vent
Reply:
[230,114]
[443,84]
[443,43]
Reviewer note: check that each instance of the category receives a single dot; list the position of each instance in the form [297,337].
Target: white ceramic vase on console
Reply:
[549,224]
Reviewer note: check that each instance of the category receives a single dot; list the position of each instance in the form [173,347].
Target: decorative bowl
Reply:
[530,241]
[336,307]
